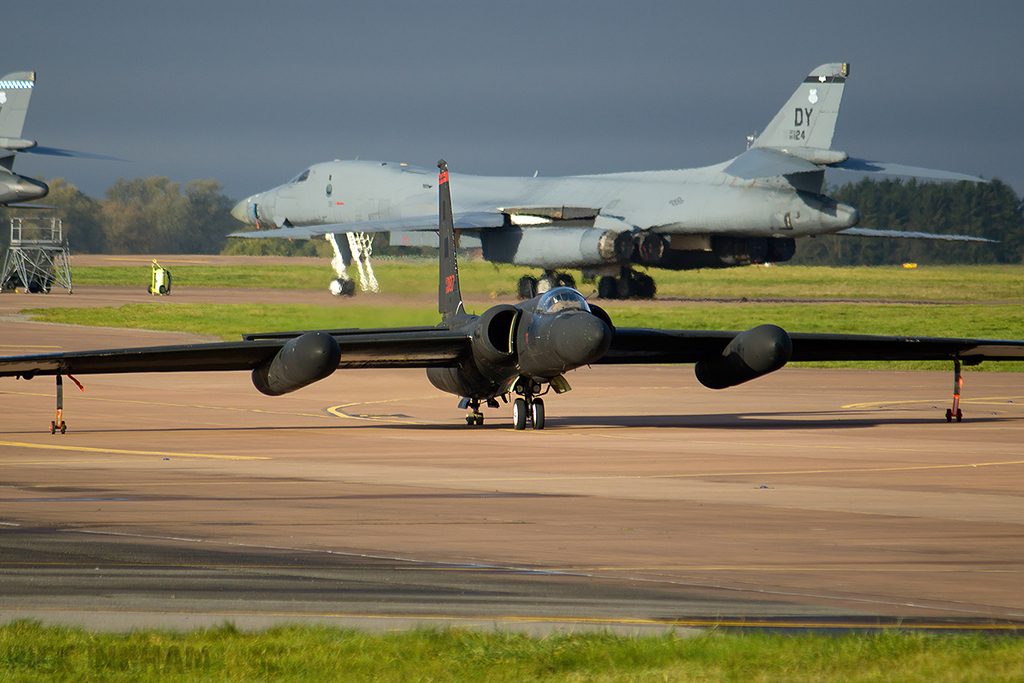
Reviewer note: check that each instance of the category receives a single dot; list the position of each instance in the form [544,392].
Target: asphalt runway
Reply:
[809,497]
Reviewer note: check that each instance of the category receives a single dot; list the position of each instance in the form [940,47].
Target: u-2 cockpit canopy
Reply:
[562,299]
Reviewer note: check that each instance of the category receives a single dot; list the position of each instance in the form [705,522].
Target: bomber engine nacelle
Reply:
[743,251]
[306,359]
[712,251]
[751,354]
[16,188]
[556,248]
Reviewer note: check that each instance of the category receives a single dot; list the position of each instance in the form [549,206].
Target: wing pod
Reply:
[306,359]
[751,354]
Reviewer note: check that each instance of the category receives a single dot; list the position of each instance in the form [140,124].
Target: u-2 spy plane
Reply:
[15,93]
[746,210]
[523,349]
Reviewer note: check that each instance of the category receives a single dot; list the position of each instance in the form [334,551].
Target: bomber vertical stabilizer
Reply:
[449,295]
[15,92]
[808,119]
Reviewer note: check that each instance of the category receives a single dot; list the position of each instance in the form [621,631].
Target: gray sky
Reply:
[250,93]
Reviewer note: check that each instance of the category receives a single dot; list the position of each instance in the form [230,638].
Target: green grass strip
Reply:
[30,652]
[938,283]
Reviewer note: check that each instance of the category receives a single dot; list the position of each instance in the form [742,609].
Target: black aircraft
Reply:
[524,349]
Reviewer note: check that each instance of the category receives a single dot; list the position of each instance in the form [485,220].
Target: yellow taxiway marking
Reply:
[119,451]
[762,473]
[339,411]
[28,346]
[79,397]
[841,470]
[980,401]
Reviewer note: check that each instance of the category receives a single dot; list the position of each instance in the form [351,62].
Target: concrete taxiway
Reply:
[648,502]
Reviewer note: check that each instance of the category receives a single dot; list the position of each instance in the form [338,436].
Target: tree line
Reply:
[140,216]
[157,216]
[991,210]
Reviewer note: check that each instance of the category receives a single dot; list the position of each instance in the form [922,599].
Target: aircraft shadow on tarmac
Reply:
[773,421]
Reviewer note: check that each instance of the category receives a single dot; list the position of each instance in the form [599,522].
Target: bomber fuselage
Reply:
[678,207]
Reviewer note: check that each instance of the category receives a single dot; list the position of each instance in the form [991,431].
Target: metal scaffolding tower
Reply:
[37,257]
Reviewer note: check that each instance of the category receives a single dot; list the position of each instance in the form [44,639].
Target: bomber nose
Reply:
[582,338]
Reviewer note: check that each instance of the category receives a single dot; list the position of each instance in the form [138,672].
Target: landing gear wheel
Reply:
[475,419]
[537,413]
[950,415]
[642,286]
[519,414]
[527,287]
[63,427]
[341,287]
[546,283]
[565,280]
[607,288]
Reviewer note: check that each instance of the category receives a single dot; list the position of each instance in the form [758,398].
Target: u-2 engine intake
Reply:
[494,353]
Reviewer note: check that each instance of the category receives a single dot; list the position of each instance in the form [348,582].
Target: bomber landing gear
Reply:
[356,248]
[530,287]
[629,285]
[340,287]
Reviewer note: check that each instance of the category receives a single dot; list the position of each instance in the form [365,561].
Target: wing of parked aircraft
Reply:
[469,220]
[522,350]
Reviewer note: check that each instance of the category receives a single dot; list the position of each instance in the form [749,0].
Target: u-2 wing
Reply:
[725,359]
[424,347]
[414,347]
[640,345]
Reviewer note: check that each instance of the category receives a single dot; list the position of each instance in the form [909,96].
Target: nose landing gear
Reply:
[529,408]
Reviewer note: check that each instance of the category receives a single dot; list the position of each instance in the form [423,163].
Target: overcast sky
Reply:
[250,93]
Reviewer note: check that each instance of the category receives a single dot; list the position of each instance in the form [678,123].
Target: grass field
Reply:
[939,283]
[29,652]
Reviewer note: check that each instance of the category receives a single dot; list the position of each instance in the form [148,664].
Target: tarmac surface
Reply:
[809,497]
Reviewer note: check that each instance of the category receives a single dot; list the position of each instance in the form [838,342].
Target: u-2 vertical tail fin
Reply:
[449,295]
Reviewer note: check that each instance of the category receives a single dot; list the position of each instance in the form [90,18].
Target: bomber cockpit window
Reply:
[562,299]
[301,177]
